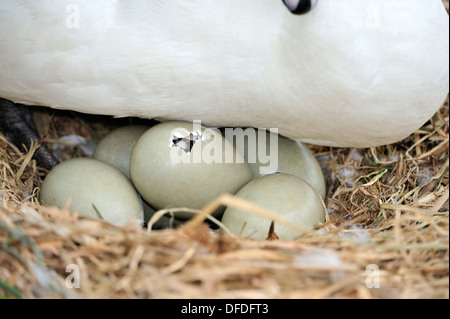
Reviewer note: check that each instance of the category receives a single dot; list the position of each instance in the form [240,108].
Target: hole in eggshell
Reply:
[185,142]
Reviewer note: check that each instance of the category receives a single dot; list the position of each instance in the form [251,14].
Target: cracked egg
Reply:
[184,164]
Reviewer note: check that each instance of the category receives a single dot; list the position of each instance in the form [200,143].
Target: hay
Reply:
[386,235]
[387,212]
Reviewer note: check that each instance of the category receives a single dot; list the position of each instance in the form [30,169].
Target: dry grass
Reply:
[388,207]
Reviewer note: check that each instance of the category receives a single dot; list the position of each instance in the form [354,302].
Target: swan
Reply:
[348,73]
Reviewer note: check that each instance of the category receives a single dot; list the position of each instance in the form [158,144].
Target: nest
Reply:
[386,233]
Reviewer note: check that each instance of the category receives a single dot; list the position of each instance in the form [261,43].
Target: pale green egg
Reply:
[268,153]
[93,189]
[286,195]
[115,148]
[183,164]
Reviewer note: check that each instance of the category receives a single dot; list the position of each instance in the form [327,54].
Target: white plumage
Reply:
[349,73]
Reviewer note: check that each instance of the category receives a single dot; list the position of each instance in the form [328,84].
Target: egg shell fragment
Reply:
[94,189]
[283,194]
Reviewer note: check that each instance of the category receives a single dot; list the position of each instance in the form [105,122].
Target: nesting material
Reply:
[387,228]
[386,234]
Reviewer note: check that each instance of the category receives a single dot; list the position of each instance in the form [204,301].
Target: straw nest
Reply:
[386,233]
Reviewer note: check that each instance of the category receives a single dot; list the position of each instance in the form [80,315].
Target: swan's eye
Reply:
[299,6]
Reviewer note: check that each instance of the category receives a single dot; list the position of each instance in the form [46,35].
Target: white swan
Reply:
[349,73]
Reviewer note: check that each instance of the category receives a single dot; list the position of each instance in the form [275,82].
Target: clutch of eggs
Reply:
[183,164]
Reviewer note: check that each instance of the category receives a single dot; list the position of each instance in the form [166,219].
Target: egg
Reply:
[93,189]
[184,164]
[115,148]
[282,155]
[284,194]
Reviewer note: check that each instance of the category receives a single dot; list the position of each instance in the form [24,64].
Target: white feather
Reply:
[349,73]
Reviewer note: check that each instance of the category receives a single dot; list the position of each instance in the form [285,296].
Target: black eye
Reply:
[299,6]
